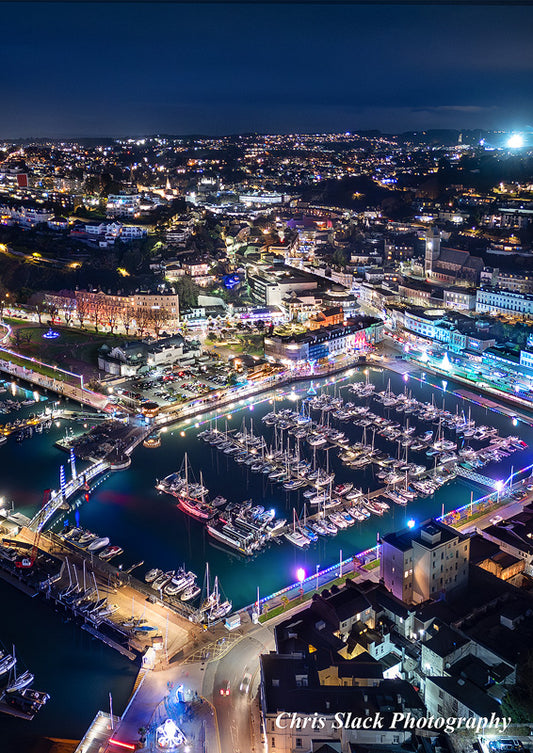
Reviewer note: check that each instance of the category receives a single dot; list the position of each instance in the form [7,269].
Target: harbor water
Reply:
[147,524]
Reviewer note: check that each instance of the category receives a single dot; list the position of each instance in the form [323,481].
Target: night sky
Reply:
[129,69]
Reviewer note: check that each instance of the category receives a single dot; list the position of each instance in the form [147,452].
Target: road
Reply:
[237,711]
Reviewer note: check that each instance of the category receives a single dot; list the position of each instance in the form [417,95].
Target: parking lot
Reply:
[172,384]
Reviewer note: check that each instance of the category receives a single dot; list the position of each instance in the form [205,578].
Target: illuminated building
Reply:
[497,301]
[424,562]
[123,205]
[324,343]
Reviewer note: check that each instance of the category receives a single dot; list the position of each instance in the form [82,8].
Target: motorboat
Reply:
[162,580]
[86,538]
[182,580]
[152,574]
[342,489]
[111,551]
[99,543]
[191,592]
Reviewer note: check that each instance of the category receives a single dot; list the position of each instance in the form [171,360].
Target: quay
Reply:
[61,387]
[110,642]
[131,602]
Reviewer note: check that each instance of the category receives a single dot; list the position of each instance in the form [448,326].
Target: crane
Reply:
[26,561]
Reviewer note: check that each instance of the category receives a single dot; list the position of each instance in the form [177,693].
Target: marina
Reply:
[153,533]
[222,474]
[17,696]
[457,446]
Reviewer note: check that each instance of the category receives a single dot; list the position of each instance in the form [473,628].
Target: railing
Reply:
[477,477]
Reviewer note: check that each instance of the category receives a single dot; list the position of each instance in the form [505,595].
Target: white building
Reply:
[132,232]
[123,205]
[424,562]
[491,300]
[24,216]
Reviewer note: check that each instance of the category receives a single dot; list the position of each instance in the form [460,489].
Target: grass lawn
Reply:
[73,345]
[45,370]
[276,611]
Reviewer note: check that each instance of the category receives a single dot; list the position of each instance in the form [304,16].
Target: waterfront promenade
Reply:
[132,599]
[61,387]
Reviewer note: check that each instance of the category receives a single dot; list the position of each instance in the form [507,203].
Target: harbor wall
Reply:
[64,389]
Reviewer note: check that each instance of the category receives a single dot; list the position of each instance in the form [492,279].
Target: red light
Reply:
[128,746]
[86,497]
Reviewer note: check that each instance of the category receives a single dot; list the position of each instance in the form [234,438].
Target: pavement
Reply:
[213,723]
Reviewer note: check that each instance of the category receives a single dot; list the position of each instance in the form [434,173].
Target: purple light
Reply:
[300,574]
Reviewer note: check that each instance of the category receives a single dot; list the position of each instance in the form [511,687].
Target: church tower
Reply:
[432,250]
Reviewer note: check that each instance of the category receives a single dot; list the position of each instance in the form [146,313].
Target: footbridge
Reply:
[67,490]
[478,478]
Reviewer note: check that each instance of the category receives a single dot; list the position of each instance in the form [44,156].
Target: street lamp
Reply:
[498,486]
[300,574]
[317,568]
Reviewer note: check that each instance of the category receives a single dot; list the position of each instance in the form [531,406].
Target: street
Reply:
[237,712]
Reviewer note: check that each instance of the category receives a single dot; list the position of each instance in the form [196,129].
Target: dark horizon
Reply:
[244,134]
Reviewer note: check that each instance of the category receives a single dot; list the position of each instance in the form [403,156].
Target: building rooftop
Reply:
[468,694]
[429,534]
[444,640]
[284,681]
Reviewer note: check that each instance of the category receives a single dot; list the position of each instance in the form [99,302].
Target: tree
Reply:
[68,311]
[340,258]
[158,318]
[38,303]
[142,319]
[82,308]
[98,310]
[126,316]
[4,299]
[52,310]
[187,291]
[112,315]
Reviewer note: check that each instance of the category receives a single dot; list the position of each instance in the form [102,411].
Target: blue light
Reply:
[51,334]
[411,523]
